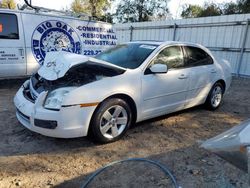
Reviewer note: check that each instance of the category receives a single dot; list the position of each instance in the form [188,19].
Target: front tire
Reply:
[215,96]
[111,120]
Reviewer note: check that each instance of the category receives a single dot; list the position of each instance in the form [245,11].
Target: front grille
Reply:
[27,118]
[47,124]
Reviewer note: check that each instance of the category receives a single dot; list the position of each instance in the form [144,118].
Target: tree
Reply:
[191,11]
[230,8]
[10,4]
[240,7]
[99,7]
[194,11]
[141,10]
[211,10]
[107,17]
[244,6]
[78,6]
[95,8]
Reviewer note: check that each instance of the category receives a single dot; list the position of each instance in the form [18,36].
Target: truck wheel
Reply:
[215,96]
[111,120]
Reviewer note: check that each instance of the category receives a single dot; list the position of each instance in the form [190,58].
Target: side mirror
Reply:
[159,68]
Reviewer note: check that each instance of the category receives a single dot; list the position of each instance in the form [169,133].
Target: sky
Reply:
[174,5]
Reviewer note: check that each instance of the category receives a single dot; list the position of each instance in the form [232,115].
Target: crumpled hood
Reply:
[56,64]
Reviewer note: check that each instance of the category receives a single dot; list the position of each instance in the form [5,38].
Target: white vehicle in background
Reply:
[72,95]
[27,35]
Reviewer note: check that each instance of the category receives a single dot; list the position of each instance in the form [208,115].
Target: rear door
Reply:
[201,73]
[12,50]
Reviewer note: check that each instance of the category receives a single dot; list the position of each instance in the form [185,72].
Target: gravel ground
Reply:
[28,159]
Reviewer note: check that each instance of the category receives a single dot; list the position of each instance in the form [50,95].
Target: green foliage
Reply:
[194,11]
[95,8]
[78,6]
[141,10]
[191,11]
[231,8]
[240,7]
[9,4]
[210,10]
[107,18]
[244,6]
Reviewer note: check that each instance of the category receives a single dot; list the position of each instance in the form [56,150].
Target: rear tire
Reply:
[215,96]
[111,120]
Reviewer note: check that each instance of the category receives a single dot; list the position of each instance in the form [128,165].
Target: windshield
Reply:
[129,55]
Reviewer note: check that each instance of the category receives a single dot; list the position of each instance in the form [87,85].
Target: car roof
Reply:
[147,42]
[154,42]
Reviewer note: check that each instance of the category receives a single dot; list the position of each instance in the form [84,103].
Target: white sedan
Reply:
[74,95]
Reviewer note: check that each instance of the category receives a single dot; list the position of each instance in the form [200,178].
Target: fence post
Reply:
[131,33]
[243,47]
[174,34]
[248,164]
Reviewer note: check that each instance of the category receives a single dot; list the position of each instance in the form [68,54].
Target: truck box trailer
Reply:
[27,35]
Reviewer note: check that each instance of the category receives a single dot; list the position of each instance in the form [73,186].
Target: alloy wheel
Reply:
[216,96]
[113,121]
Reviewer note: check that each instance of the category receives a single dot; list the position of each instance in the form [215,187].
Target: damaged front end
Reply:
[65,72]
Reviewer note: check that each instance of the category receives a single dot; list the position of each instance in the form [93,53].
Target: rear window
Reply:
[197,57]
[8,26]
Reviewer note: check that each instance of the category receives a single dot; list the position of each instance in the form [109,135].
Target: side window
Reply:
[171,56]
[8,26]
[196,57]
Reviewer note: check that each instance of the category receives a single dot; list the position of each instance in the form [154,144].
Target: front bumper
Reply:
[70,121]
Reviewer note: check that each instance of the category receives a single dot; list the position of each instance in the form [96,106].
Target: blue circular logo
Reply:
[52,36]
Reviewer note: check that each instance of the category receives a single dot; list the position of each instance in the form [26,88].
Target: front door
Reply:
[12,48]
[165,93]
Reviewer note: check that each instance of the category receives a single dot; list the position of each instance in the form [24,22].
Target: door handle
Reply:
[213,71]
[183,76]
[21,52]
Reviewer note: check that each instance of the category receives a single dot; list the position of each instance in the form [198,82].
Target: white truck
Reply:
[27,35]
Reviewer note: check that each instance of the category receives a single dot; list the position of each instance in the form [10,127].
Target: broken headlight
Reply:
[55,98]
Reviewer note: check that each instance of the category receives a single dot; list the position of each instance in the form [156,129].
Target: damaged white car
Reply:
[73,95]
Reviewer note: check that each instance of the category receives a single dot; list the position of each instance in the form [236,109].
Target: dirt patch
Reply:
[28,159]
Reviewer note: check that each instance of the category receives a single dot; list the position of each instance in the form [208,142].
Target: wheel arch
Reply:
[130,102]
[126,98]
[223,83]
